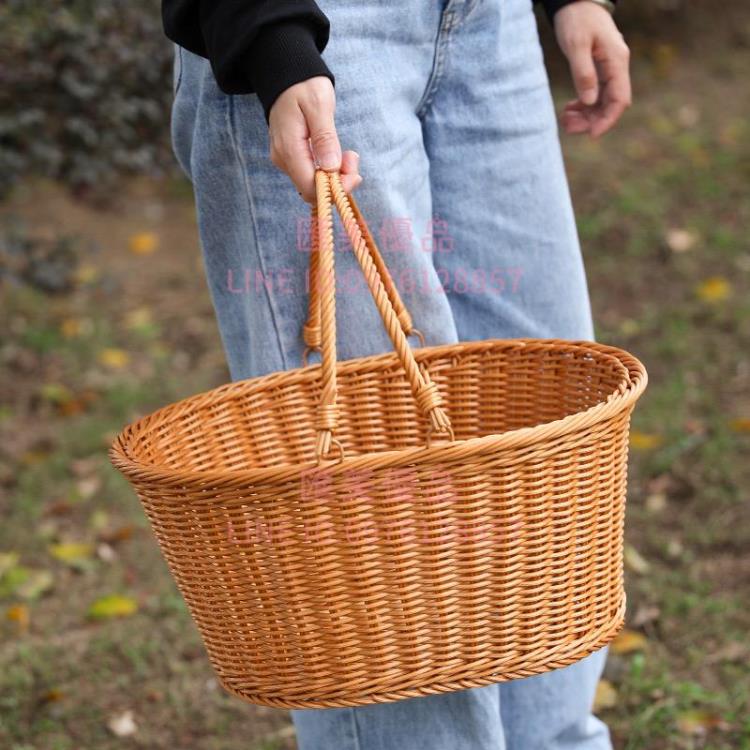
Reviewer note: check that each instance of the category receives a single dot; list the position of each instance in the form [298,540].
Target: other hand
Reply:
[600,63]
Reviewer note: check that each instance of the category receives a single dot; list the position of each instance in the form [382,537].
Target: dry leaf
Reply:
[628,641]
[86,273]
[72,553]
[139,318]
[645,441]
[8,560]
[680,240]
[113,358]
[688,116]
[644,615]
[38,582]
[52,696]
[635,561]
[143,243]
[19,613]
[106,552]
[714,289]
[698,722]
[113,605]
[605,696]
[56,393]
[742,424]
[656,502]
[122,725]
[88,487]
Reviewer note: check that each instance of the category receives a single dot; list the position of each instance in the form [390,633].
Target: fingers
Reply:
[617,93]
[302,133]
[350,177]
[576,118]
[318,109]
[599,62]
[583,70]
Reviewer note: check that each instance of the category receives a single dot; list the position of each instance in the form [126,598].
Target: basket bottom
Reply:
[442,679]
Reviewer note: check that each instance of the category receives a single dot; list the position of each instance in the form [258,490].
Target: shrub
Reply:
[85,88]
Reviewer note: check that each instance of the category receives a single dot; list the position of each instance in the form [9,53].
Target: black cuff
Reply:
[552,6]
[281,55]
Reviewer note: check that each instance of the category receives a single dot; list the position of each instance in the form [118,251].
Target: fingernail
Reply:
[589,97]
[328,161]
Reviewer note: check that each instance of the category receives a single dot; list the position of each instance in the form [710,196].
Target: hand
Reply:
[599,61]
[302,132]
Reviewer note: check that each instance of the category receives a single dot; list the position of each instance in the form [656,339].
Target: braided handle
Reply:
[396,319]
[311,329]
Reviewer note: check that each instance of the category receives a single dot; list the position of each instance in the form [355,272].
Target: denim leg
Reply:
[465,720]
[552,711]
[512,267]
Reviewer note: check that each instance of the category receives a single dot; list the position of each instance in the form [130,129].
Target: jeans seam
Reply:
[254,224]
[447,23]
[355,730]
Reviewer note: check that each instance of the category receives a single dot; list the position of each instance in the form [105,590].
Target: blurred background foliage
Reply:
[84,90]
[106,316]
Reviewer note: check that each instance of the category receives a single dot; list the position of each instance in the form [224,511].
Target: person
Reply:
[452,144]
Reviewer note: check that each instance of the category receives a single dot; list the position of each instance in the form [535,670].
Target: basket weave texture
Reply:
[398,525]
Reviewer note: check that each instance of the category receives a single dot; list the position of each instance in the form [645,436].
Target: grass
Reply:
[663,217]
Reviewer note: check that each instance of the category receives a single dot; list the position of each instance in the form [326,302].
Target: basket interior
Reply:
[487,390]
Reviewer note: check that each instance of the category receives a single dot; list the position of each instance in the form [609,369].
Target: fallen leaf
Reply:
[19,613]
[742,424]
[629,327]
[645,614]
[55,393]
[72,553]
[114,358]
[88,487]
[688,116]
[605,696]
[106,552]
[143,243]
[26,583]
[635,561]
[698,722]
[86,273]
[52,696]
[38,583]
[645,441]
[714,289]
[680,240]
[8,560]
[119,534]
[122,725]
[113,605]
[656,502]
[628,641]
[674,548]
[139,318]
[71,328]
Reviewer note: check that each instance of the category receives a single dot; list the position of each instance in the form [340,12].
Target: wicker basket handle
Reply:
[311,330]
[330,192]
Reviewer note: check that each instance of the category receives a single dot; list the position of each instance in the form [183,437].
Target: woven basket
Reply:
[397,525]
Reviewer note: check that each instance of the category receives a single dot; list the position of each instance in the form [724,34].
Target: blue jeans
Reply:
[448,104]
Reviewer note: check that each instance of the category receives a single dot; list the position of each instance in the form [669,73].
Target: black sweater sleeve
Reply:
[254,46]
[260,46]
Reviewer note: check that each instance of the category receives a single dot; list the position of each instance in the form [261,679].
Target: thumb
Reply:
[323,138]
[585,79]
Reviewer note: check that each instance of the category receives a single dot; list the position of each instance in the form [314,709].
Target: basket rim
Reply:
[620,399]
